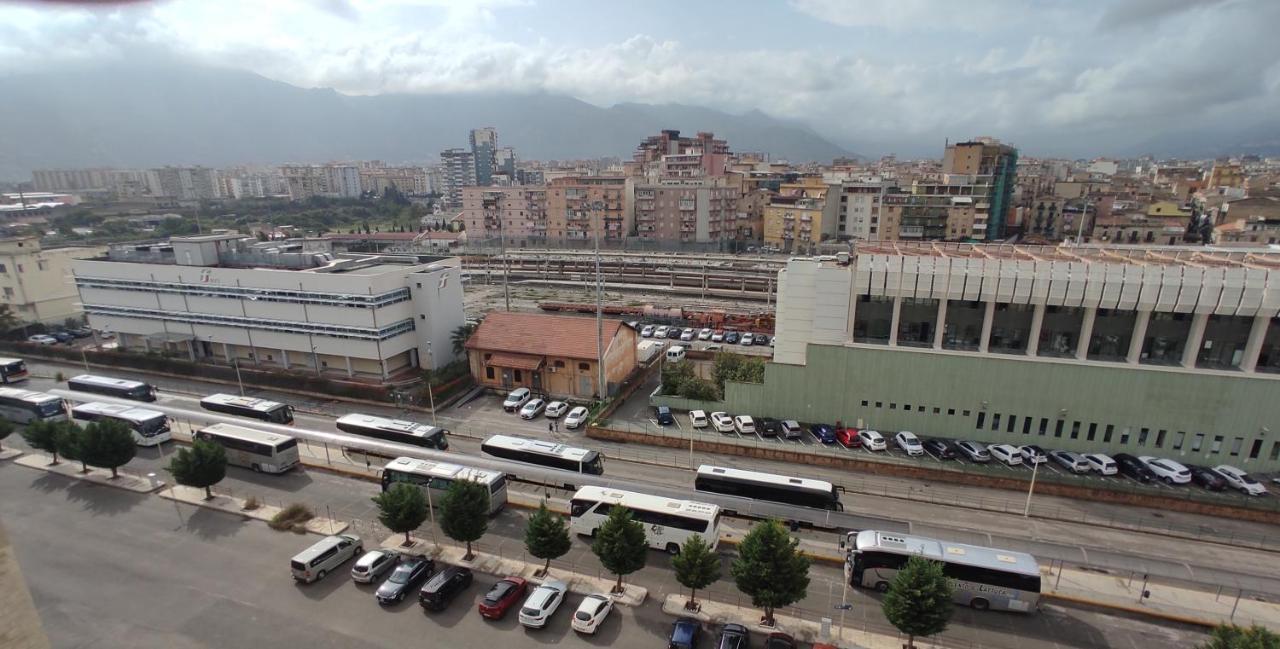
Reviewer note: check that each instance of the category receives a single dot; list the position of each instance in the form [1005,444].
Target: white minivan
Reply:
[744,425]
[675,354]
[313,563]
[1102,463]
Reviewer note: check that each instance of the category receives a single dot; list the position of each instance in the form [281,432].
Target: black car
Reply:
[403,579]
[62,336]
[664,416]
[1133,467]
[443,587]
[779,641]
[761,340]
[674,333]
[768,427]
[81,332]
[731,337]
[940,448]
[734,636]
[684,634]
[1206,477]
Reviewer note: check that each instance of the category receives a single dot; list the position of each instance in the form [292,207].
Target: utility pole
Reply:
[502,250]
[598,208]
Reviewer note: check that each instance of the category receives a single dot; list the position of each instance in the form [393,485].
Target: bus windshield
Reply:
[149,427]
[16,367]
[50,408]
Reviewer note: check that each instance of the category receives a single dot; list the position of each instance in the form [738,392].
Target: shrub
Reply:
[295,515]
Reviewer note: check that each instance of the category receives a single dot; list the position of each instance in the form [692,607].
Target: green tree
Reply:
[735,367]
[546,536]
[697,566]
[1230,636]
[402,508]
[6,429]
[770,569]
[460,336]
[919,599]
[464,513]
[107,444]
[620,544]
[44,436]
[202,465]
[8,321]
[70,443]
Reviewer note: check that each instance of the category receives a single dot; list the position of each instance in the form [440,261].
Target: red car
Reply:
[502,597]
[848,437]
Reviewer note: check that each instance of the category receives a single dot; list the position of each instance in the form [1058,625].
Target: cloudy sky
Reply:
[1069,77]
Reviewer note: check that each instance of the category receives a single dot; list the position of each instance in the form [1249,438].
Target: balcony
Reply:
[688,206]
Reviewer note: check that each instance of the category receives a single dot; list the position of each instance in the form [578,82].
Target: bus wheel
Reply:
[256,468]
[320,575]
[979,604]
[673,549]
[882,586]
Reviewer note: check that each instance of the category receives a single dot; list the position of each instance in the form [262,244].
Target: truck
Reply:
[647,350]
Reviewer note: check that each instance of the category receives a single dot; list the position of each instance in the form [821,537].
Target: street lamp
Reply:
[431,394]
[235,362]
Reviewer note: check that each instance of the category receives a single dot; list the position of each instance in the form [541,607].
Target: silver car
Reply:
[373,565]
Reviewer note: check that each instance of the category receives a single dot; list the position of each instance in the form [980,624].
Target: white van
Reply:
[313,563]
[675,354]
[744,425]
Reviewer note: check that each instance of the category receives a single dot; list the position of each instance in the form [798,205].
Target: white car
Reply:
[1168,470]
[373,565]
[705,334]
[1007,453]
[1102,463]
[698,419]
[591,613]
[872,440]
[555,409]
[647,331]
[717,337]
[744,425]
[722,422]
[1032,454]
[686,335]
[661,332]
[909,443]
[747,339]
[533,408]
[516,398]
[41,339]
[542,603]
[576,417]
[1240,480]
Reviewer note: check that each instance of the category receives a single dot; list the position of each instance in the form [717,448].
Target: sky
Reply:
[1068,77]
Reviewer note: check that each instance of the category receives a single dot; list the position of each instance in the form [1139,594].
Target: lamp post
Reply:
[1035,467]
[598,208]
[431,394]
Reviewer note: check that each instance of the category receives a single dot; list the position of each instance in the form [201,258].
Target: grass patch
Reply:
[251,503]
[292,517]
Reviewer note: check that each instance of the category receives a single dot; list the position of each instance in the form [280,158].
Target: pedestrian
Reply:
[556,425]
[551,426]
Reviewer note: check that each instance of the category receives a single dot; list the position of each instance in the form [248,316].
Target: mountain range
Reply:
[151,115]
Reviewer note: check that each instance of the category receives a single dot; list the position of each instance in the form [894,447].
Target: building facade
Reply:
[484,149]
[668,155]
[992,165]
[36,283]
[516,214]
[578,206]
[800,216]
[858,210]
[329,180]
[457,170]
[690,211]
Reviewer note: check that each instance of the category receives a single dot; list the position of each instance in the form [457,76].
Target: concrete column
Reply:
[350,374]
[1033,336]
[1253,346]
[284,358]
[382,366]
[988,318]
[893,322]
[942,324]
[1086,332]
[226,352]
[1139,337]
[146,344]
[191,350]
[1195,338]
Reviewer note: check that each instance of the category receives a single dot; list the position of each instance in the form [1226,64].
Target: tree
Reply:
[697,566]
[107,444]
[6,429]
[620,544]
[464,513]
[70,443]
[44,436]
[8,321]
[460,336]
[770,569]
[402,508]
[546,536]
[919,599]
[1230,636]
[202,465]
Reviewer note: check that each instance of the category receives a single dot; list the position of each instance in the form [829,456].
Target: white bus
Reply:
[12,370]
[668,522]
[393,430]
[253,449]
[119,388]
[25,406]
[150,428]
[768,486]
[981,577]
[261,409]
[544,453]
[437,476]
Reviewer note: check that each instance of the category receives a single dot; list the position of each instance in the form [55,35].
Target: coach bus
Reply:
[26,406]
[12,370]
[668,522]
[253,449]
[261,409]
[394,430]
[544,453]
[111,387]
[437,476]
[768,486]
[150,428]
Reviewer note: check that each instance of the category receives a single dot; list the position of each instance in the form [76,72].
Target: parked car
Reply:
[403,579]
[1168,470]
[372,565]
[674,333]
[717,336]
[319,559]
[647,331]
[1072,462]
[791,429]
[1238,479]
[974,451]
[768,427]
[555,409]
[1101,463]
[872,440]
[81,332]
[591,613]
[576,417]
[1207,478]
[848,437]
[664,417]
[722,422]
[731,337]
[744,425]
[684,634]
[779,641]
[443,587]
[62,336]
[747,339]
[908,443]
[504,594]
[705,334]
[823,433]
[533,408]
[761,340]
[516,398]
[1032,454]
[687,335]
[42,339]
[1007,453]
[661,332]
[1132,467]
[734,636]
[542,603]
[940,448]
[698,419]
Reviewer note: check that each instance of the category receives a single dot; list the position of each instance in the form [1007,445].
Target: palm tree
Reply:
[460,336]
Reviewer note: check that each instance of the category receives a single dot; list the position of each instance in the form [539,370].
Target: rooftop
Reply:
[540,334]
[1197,256]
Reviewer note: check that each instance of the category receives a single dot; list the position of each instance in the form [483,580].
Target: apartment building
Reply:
[800,216]
[229,298]
[990,165]
[329,180]
[53,180]
[184,183]
[668,155]
[36,283]
[407,180]
[578,206]
[688,211]
[457,170]
[484,148]
[858,210]
[515,214]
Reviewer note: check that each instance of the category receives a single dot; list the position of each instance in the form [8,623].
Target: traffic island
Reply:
[67,468]
[243,507]
[717,613]
[9,454]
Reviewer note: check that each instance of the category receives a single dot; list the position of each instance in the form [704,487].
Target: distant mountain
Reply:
[150,115]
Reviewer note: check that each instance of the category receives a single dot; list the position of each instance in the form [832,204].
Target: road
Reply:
[109,568]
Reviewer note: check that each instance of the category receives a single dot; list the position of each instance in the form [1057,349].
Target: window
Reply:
[1160,438]
[1093,431]
[1057,428]
[1075,430]
[1142,436]
[995,422]
[919,408]
[19,268]
[1255,449]
[1026,425]
[1044,426]
[951,411]
[936,410]
[585,367]
[966,413]
[3,269]
[8,292]
[893,406]
[1124,436]
[864,403]
[559,363]
[1106,435]
[907,407]
[982,419]
[1275,451]
[42,264]
[1236,444]
[488,373]
[1178,438]
[1197,442]
[518,376]
[879,404]
[1216,447]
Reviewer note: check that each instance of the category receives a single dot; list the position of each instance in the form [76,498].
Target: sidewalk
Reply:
[70,469]
[230,505]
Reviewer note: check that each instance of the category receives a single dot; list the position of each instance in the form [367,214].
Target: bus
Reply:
[12,370]
[25,406]
[394,430]
[253,449]
[437,476]
[982,578]
[768,486]
[544,453]
[119,388]
[668,522]
[150,428]
[270,411]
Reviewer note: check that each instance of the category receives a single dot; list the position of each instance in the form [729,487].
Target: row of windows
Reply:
[645,516]
[312,328]
[1092,431]
[265,295]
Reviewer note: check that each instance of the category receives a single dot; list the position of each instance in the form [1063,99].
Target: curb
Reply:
[1133,610]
